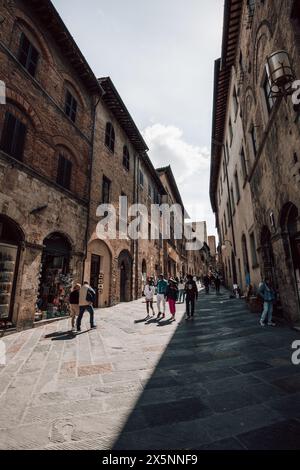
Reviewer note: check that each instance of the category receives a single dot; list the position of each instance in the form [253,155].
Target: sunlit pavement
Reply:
[218,382]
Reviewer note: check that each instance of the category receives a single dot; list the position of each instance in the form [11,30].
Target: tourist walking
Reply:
[217,283]
[87,297]
[172,296]
[74,304]
[181,291]
[268,294]
[162,286]
[191,291]
[206,282]
[149,292]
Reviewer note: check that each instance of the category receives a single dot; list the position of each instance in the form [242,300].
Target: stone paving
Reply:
[219,382]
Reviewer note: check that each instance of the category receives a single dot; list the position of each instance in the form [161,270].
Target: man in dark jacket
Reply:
[191,291]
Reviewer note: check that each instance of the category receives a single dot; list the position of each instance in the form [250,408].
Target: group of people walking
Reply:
[171,292]
[211,280]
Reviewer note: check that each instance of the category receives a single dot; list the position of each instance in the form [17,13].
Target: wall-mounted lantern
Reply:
[281,74]
[224,244]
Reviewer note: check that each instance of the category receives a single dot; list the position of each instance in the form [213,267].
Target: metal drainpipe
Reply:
[91,161]
[133,247]
[231,218]
[136,242]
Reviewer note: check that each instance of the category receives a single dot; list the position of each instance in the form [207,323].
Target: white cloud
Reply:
[167,146]
[190,165]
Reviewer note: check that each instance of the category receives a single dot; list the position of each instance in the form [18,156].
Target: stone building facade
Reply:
[45,153]
[67,145]
[175,256]
[110,263]
[150,192]
[118,267]
[269,129]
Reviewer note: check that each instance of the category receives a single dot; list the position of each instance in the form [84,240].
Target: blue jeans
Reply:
[181,295]
[267,312]
[82,309]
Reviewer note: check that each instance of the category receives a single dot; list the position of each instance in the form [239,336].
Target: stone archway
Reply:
[125,276]
[11,239]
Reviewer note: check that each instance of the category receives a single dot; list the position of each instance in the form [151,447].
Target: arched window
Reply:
[28,55]
[110,137]
[126,158]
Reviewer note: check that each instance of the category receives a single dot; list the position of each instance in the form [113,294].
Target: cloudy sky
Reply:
[160,55]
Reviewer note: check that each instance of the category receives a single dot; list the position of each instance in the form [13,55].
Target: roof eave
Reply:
[114,102]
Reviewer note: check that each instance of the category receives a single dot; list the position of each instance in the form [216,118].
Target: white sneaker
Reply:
[262,323]
[271,324]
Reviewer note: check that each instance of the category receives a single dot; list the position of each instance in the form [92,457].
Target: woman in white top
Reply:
[181,295]
[149,294]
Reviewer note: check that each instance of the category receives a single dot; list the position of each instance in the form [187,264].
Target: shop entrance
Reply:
[11,237]
[56,281]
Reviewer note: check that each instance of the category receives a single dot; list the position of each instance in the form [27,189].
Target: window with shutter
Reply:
[126,158]
[71,106]
[13,136]
[105,190]
[64,172]
[28,55]
[110,136]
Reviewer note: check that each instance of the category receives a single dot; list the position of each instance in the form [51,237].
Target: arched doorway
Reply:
[56,281]
[11,238]
[267,254]
[125,270]
[290,226]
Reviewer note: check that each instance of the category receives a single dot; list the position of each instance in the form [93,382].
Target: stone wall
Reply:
[29,194]
[271,171]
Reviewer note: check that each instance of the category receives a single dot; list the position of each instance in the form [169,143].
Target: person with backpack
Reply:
[268,295]
[74,304]
[162,287]
[191,291]
[181,296]
[87,297]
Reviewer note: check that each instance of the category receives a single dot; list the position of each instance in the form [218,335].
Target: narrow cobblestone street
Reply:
[219,382]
